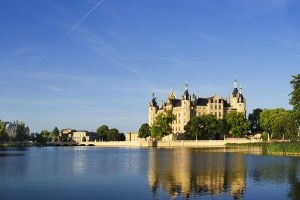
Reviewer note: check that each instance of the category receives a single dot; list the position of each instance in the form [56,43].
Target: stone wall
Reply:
[174,143]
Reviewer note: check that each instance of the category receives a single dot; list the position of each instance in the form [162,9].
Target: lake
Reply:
[146,173]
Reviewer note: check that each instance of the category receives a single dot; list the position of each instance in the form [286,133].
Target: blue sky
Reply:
[84,63]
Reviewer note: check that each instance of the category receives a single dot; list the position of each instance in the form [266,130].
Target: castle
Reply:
[190,105]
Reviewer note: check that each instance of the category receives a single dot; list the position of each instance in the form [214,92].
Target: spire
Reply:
[235,90]
[241,97]
[235,82]
[153,101]
[186,92]
[186,86]
[171,95]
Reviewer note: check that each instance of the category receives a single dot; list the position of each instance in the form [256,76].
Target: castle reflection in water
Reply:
[191,172]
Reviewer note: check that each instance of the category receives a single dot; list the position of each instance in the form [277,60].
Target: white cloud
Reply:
[50,87]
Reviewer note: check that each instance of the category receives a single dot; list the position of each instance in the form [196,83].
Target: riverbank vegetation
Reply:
[272,147]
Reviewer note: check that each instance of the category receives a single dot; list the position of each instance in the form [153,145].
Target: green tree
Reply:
[284,125]
[212,126]
[55,134]
[113,135]
[46,134]
[40,138]
[295,97]
[144,131]
[21,132]
[268,117]
[204,126]
[102,132]
[238,125]
[122,137]
[162,124]
[253,119]
[194,127]
[3,133]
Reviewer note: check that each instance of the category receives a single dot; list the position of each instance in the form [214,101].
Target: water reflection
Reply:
[193,173]
[188,172]
[175,173]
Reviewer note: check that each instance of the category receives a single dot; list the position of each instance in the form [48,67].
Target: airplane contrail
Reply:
[77,24]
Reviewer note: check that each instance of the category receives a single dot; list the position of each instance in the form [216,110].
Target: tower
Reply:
[153,108]
[236,99]
[185,106]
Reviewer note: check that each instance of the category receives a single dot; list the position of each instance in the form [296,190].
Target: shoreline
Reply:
[240,143]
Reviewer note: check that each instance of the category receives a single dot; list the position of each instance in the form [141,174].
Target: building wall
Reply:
[77,136]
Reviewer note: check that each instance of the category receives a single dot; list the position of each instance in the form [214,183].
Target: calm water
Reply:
[146,173]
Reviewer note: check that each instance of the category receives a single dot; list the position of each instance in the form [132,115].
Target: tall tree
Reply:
[238,125]
[284,127]
[46,135]
[40,138]
[55,134]
[102,132]
[162,124]
[3,133]
[194,127]
[144,131]
[268,117]
[295,96]
[21,132]
[212,126]
[204,126]
[279,123]
[113,135]
[253,118]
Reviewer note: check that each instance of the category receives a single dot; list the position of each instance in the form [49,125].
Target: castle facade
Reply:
[187,106]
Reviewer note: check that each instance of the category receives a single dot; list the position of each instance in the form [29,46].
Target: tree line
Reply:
[103,132]
[275,123]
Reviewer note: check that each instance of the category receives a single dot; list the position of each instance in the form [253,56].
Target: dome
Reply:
[171,95]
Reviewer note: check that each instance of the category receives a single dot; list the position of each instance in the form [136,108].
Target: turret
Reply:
[235,90]
[153,108]
[186,95]
[186,105]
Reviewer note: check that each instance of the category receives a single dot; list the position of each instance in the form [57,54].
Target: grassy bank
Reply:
[250,144]
[17,144]
[273,147]
[284,147]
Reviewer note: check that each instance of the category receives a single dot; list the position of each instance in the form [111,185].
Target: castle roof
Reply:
[202,101]
[175,102]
